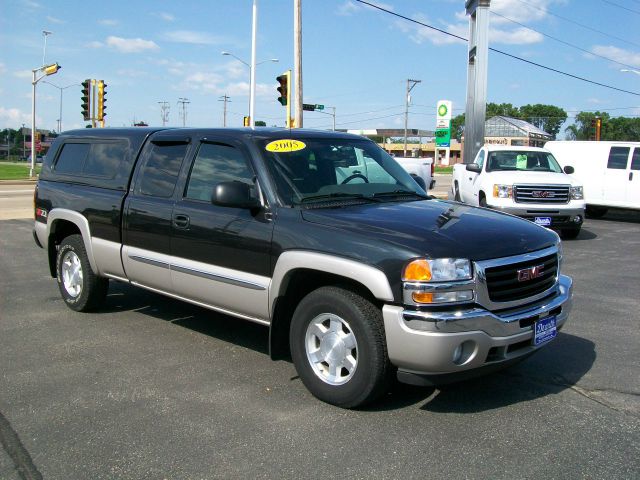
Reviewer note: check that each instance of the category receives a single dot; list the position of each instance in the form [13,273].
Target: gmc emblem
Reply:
[541,194]
[530,273]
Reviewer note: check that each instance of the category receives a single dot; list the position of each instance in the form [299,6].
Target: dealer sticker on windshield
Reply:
[285,145]
[544,221]
[544,330]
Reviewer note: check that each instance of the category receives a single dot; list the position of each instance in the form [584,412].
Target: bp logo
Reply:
[442,110]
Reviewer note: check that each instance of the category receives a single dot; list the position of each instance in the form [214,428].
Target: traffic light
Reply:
[246,122]
[102,92]
[285,88]
[86,99]
[598,128]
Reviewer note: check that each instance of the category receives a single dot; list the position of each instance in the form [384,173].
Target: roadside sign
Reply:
[308,107]
[319,107]
[443,137]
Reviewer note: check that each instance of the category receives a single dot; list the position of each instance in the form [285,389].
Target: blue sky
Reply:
[355,58]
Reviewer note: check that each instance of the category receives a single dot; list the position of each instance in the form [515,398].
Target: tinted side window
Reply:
[71,158]
[159,174]
[216,163]
[104,159]
[635,160]
[618,158]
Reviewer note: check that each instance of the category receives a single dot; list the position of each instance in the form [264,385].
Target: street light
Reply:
[61,89]
[46,70]
[630,70]
[252,81]
[45,34]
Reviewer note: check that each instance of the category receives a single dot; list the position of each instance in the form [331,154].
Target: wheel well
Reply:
[60,229]
[297,285]
[481,195]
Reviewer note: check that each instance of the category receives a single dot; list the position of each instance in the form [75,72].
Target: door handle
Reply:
[181,221]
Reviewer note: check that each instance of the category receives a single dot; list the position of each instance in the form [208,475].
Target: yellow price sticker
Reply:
[285,145]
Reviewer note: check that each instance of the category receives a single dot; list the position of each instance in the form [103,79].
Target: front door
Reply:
[633,184]
[616,176]
[221,255]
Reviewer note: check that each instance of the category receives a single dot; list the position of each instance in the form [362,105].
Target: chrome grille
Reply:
[547,194]
[505,284]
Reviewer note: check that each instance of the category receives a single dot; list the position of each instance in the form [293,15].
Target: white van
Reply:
[608,171]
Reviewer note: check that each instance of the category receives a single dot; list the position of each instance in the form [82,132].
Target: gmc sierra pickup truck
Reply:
[358,277]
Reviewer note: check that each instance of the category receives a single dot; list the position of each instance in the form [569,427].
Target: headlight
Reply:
[437,270]
[438,281]
[577,193]
[502,191]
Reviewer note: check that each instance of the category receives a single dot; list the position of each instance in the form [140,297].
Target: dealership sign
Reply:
[443,123]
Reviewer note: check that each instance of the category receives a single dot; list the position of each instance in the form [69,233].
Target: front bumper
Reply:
[439,344]
[561,215]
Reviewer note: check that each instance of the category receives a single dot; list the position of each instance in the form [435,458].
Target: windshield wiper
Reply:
[337,196]
[402,193]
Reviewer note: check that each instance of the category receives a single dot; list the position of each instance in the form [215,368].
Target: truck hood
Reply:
[536,178]
[437,229]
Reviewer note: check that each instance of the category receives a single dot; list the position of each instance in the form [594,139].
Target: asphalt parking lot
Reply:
[154,388]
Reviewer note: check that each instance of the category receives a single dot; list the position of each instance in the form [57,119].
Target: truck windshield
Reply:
[530,161]
[306,170]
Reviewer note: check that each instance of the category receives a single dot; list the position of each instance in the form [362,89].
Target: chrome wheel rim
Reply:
[71,272]
[332,349]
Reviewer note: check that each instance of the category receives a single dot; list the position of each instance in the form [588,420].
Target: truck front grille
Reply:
[547,194]
[516,281]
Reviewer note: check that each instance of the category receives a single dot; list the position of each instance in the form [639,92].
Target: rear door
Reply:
[633,184]
[616,176]
[221,255]
[148,212]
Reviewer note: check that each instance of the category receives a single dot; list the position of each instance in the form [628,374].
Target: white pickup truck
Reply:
[419,167]
[523,181]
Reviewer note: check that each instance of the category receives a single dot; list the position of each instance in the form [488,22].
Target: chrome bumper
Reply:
[435,343]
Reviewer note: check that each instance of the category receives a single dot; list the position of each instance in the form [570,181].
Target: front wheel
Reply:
[339,348]
[81,289]
[570,233]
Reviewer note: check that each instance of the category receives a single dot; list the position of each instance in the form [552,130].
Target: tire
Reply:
[570,233]
[595,212]
[339,348]
[456,192]
[81,289]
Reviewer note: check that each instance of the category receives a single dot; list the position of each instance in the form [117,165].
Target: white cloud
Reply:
[193,37]
[350,7]
[131,45]
[618,54]
[23,74]
[519,36]
[95,44]
[108,22]
[55,20]
[529,11]
[3,69]
[420,34]
[167,17]
[12,117]
[31,4]
[132,73]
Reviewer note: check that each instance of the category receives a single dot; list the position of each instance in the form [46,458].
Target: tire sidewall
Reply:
[72,245]
[323,302]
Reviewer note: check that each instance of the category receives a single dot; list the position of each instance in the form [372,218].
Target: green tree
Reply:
[457,126]
[548,118]
[260,123]
[581,128]
[503,109]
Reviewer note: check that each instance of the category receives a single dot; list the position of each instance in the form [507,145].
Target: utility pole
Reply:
[334,118]
[184,102]
[164,112]
[24,142]
[476,109]
[252,93]
[224,98]
[297,60]
[410,85]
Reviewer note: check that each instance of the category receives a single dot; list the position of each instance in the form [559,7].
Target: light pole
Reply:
[61,89]
[630,70]
[252,80]
[24,146]
[46,70]
[45,34]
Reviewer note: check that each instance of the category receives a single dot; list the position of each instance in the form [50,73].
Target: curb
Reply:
[19,182]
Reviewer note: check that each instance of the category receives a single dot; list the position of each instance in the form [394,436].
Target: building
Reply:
[501,130]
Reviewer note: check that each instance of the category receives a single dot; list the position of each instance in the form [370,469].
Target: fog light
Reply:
[464,352]
[577,219]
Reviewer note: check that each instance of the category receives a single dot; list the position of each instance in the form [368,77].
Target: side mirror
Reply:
[569,169]
[474,167]
[419,181]
[234,194]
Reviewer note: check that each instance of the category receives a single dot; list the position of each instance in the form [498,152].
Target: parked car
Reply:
[523,181]
[359,275]
[420,168]
[609,171]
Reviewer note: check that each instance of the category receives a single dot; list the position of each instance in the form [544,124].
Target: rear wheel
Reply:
[81,289]
[338,347]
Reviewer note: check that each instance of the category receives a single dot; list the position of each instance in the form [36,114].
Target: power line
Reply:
[622,7]
[563,42]
[549,12]
[551,69]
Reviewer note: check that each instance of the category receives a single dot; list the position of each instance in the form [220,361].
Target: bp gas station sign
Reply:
[443,124]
